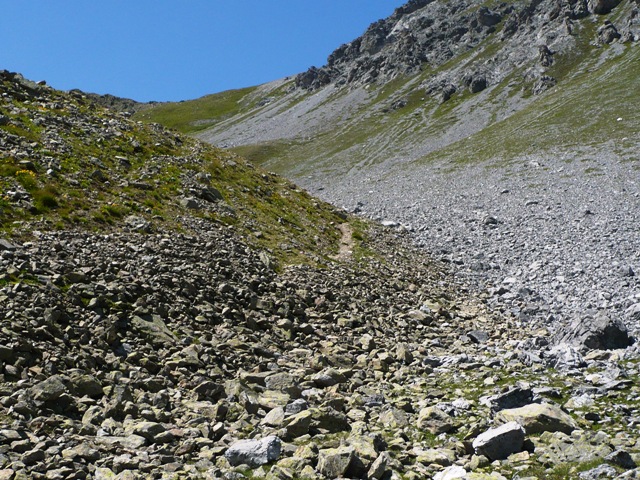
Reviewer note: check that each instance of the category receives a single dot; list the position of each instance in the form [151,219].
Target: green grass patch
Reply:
[192,116]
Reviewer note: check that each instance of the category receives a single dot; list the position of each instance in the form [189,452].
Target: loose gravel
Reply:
[547,238]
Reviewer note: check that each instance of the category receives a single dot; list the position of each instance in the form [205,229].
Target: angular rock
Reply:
[6,245]
[335,462]
[298,425]
[451,473]
[49,389]
[434,420]
[379,466]
[602,7]
[599,332]
[500,442]
[274,418]
[439,456]
[254,453]
[514,398]
[622,459]
[538,418]
[328,378]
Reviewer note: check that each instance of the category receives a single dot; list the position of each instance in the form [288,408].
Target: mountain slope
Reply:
[146,331]
[424,79]
[433,112]
[66,162]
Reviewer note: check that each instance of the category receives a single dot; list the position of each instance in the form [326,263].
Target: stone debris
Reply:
[187,353]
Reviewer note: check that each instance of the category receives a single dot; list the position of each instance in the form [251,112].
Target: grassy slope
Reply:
[265,209]
[195,115]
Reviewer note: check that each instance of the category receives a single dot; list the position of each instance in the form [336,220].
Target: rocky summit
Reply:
[169,310]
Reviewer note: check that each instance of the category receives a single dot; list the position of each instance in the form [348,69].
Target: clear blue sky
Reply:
[176,50]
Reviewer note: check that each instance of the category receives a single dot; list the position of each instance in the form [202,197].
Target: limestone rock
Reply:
[254,452]
[538,418]
[500,442]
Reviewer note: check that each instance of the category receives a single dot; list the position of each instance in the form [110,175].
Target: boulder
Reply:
[49,389]
[379,466]
[538,418]
[598,332]
[298,424]
[608,33]
[434,420]
[254,453]
[328,378]
[488,18]
[451,473]
[515,397]
[478,84]
[6,245]
[335,462]
[500,442]
[602,7]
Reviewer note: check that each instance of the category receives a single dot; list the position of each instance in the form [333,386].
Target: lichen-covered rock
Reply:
[434,420]
[335,462]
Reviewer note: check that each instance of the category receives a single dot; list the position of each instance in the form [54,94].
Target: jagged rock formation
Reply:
[427,34]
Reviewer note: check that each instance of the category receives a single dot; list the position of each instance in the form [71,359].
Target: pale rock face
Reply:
[538,418]
[254,452]
[500,442]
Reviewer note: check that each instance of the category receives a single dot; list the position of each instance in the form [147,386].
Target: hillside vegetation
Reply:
[66,163]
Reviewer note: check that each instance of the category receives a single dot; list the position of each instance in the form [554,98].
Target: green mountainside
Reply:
[67,163]
[547,82]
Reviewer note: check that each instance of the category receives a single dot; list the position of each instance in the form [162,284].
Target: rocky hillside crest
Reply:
[427,34]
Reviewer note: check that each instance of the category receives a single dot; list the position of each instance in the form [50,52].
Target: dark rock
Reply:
[49,389]
[477,84]
[6,245]
[544,83]
[621,459]
[608,33]
[487,18]
[602,7]
[596,332]
[478,336]
[447,92]
[514,398]
[498,443]
[545,56]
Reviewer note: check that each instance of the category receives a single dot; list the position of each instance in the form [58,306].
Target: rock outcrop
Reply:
[426,34]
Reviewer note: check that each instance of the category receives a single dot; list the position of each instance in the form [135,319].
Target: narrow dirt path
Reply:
[345,251]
